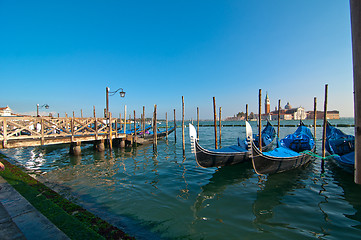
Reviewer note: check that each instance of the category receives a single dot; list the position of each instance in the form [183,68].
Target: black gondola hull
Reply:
[264,164]
[208,158]
[148,138]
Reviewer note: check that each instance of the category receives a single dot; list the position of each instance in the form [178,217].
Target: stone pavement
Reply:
[20,220]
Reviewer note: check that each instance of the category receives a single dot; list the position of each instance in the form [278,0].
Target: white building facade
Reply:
[299,114]
[5,112]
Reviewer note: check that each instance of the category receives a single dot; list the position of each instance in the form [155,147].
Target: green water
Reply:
[165,195]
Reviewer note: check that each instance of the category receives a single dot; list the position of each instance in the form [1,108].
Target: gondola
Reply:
[160,134]
[149,135]
[341,146]
[292,152]
[138,129]
[228,155]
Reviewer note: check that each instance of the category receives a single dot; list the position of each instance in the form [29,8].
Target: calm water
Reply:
[167,196]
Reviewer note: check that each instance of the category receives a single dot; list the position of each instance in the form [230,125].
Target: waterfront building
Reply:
[5,111]
[298,113]
[288,106]
[334,114]
[289,113]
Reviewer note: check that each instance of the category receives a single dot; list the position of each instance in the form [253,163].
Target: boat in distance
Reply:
[292,152]
[149,135]
[138,129]
[227,155]
[341,146]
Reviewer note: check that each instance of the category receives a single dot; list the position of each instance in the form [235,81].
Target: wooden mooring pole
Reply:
[314,116]
[155,142]
[260,120]
[122,141]
[116,127]
[220,127]
[324,131]
[246,112]
[135,125]
[125,119]
[5,134]
[143,117]
[197,122]
[278,120]
[324,124]
[95,124]
[215,123]
[166,126]
[183,140]
[175,127]
[135,131]
[355,8]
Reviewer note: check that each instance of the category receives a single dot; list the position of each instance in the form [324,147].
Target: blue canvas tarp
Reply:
[291,146]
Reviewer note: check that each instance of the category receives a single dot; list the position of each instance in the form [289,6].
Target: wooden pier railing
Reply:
[36,131]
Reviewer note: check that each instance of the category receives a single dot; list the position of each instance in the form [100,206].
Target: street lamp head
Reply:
[121,93]
[46,106]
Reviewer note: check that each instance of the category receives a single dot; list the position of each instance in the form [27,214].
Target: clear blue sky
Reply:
[65,53]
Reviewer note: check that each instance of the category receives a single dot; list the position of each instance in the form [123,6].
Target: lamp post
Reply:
[107,91]
[37,108]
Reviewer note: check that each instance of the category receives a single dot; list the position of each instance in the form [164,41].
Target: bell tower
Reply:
[267,105]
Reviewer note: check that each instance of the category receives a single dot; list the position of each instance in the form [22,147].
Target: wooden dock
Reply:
[38,131]
[281,125]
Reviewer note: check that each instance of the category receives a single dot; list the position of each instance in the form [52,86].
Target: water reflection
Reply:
[153,182]
[36,160]
[323,193]
[221,179]
[351,191]
[75,160]
[184,192]
[272,191]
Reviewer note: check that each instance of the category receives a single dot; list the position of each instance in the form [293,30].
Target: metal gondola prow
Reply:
[249,131]
[249,138]
[193,137]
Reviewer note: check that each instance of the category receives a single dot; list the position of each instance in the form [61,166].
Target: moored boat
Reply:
[227,155]
[138,129]
[293,151]
[149,135]
[341,146]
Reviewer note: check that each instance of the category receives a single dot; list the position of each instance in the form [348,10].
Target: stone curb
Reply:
[21,220]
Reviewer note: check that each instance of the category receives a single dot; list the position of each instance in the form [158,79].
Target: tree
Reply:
[251,115]
[240,114]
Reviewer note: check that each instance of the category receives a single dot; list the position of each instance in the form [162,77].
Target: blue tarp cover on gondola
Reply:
[300,140]
[282,152]
[348,159]
[341,144]
[159,131]
[268,134]
[131,131]
[290,146]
